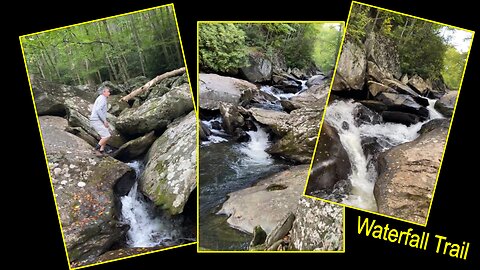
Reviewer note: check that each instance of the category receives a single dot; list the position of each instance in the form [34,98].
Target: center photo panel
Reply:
[262,91]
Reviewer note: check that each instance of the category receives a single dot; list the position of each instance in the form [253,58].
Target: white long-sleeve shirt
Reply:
[99,110]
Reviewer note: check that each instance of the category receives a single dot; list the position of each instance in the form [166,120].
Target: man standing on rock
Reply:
[98,119]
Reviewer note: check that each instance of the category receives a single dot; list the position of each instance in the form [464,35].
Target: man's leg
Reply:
[103,142]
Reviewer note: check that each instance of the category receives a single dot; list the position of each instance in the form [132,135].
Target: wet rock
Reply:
[243,209]
[404,89]
[363,115]
[351,68]
[407,175]
[259,69]
[204,132]
[169,175]
[318,225]
[400,117]
[446,104]
[215,88]
[331,163]
[374,105]
[135,148]
[156,113]
[299,141]
[231,117]
[83,186]
[403,103]
[274,119]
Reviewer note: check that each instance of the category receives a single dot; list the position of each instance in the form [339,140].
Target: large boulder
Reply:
[351,68]
[83,186]
[215,88]
[374,73]
[116,105]
[331,163]
[231,117]
[418,84]
[446,103]
[316,79]
[404,89]
[318,225]
[50,97]
[135,148]
[383,51]
[169,175]
[156,113]
[298,143]
[266,203]
[407,175]
[275,120]
[259,69]
[404,103]
[314,96]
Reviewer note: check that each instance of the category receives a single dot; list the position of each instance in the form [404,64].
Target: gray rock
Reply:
[281,230]
[383,51]
[331,163]
[374,73]
[419,85]
[243,209]
[135,148]
[274,119]
[376,88]
[407,176]
[299,141]
[318,225]
[317,79]
[351,68]
[215,88]
[404,79]
[156,113]
[259,68]
[83,186]
[404,103]
[231,117]
[400,117]
[50,97]
[169,175]
[204,132]
[116,106]
[363,115]
[446,104]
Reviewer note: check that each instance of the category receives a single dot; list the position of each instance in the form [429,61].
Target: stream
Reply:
[227,166]
[149,227]
[387,135]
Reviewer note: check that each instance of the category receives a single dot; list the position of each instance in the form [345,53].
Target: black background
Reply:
[32,235]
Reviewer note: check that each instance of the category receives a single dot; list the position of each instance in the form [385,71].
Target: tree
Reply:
[221,47]
[454,63]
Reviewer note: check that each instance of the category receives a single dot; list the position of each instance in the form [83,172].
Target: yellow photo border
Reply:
[198,145]
[449,129]
[41,136]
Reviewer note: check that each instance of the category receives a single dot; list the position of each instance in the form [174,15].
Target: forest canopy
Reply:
[423,47]
[117,49]
[225,46]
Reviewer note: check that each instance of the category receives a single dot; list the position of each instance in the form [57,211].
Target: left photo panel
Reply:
[117,121]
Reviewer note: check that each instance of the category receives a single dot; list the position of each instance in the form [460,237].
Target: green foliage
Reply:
[454,63]
[116,49]
[222,47]
[421,47]
[327,44]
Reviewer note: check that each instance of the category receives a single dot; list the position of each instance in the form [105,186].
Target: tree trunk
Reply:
[138,45]
[54,67]
[153,82]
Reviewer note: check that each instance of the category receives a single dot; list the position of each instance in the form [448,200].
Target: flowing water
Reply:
[147,227]
[364,175]
[226,167]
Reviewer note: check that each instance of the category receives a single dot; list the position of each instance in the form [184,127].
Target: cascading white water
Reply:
[145,230]
[387,134]
[216,136]
[279,95]
[255,148]
[434,114]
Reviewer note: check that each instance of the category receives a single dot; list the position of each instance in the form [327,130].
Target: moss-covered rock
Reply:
[169,175]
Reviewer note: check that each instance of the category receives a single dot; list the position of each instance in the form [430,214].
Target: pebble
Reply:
[57,171]
[81,184]
[72,166]
[64,182]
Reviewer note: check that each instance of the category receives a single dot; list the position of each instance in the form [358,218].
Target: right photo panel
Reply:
[389,113]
